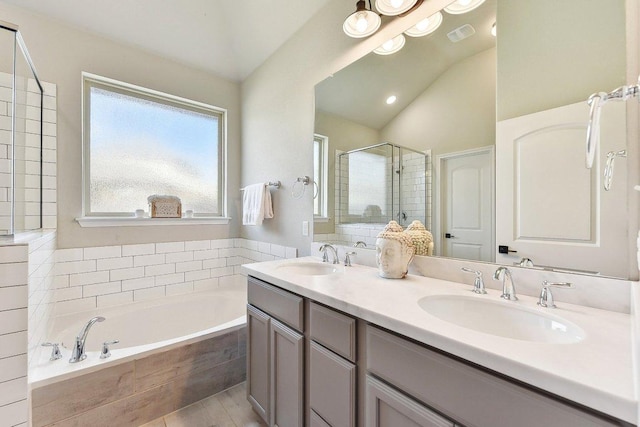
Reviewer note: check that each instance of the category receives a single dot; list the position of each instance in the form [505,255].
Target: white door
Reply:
[552,209]
[467,200]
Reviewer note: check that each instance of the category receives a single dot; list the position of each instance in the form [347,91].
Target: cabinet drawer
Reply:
[466,394]
[334,330]
[282,305]
[332,387]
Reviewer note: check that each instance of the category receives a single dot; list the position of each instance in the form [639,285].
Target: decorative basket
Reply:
[421,238]
[164,206]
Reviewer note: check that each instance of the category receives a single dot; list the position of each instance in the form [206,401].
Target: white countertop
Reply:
[596,372]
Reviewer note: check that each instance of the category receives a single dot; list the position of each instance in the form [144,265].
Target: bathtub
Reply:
[171,351]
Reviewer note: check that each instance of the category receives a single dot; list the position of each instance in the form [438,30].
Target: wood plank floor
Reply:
[229,408]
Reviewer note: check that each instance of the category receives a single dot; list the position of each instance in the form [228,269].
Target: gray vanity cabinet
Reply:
[332,368]
[275,354]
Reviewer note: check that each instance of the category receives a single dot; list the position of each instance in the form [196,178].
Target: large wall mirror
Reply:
[484,143]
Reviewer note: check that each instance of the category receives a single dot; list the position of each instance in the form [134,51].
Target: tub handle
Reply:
[55,351]
[105,353]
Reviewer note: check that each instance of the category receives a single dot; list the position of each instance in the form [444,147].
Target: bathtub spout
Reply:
[78,353]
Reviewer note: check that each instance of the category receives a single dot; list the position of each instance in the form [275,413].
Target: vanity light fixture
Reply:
[391,46]
[462,6]
[363,22]
[426,26]
[394,7]
[391,99]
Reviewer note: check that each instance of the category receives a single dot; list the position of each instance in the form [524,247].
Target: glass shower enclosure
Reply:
[383,182]
[21,99]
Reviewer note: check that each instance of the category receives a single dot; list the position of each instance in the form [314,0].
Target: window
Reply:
[140,142]
[320,167]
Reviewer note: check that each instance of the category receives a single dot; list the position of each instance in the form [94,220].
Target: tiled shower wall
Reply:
[27,155]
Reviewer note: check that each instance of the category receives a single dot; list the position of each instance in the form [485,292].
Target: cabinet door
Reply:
[386,407]
[332,388]
[258,361]
[287,395]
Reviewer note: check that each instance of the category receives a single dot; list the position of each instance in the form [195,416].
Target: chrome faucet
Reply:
[546,297]
[359,244]
[78,353]
[478,284]
[525,262]
[508,288]
[325,258]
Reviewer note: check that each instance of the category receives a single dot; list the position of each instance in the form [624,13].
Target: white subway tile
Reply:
[179,256]
[115,299]
[14,274]
[13,344]
[144,249]
[208,254]
[157,270]
[88,278]
[13,297]
[126,273]
[169,279]
[13,391]
[188,266]
[222,244]
[169,247]
[66,294]
[101,289]
[291,253]
[74,306]
[145,282]
[278,250]
[181,288]
[205,284]
[214,263]
[143,260]
[236,260]
[219,272]
[15,414]
[13,254]
[115,263]
[198,245]
[13,321]
[13,367]
[74,267]
[197,275]
[148,293]
[60,281]
[103,252]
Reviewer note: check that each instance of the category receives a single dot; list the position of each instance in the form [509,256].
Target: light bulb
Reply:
[361,23]
[464,2]
[422,25]
[396,3]
[388,45]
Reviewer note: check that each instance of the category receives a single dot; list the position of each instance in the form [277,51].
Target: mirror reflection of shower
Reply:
[380,183]
[21,99]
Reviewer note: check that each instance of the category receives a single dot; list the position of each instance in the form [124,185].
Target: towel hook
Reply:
[299,186]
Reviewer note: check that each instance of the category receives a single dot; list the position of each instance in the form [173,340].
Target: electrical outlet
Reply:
[305,228]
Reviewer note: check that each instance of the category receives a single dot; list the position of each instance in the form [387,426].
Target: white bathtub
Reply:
[142,329]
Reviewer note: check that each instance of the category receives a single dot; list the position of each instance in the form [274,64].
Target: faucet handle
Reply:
[105,353]
[55,351]
[478,284]
[347,258]
[546,297]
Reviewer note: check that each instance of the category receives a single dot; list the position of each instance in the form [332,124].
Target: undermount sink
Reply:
[311,268]
[502,318]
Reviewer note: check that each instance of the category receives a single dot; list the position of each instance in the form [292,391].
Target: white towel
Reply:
[256,204]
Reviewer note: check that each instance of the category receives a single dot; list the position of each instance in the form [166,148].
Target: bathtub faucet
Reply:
[78,349]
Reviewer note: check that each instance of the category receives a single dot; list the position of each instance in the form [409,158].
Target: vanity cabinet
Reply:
[275,354]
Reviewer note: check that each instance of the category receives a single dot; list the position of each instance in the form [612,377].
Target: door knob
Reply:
[449,236]
[505,249]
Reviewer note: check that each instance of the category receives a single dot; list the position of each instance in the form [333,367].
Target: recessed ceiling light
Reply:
[391,46]
[462,6]
[391,99]
[426,26]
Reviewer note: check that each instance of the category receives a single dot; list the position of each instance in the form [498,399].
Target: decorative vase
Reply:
[422,239]
[394,251]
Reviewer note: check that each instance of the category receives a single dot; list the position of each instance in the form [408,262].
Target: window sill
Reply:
[95,221]
[321,219]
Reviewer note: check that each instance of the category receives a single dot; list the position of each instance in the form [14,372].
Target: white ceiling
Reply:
[230,38]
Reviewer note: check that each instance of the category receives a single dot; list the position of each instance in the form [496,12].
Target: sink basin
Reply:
[310,268]
[503,319]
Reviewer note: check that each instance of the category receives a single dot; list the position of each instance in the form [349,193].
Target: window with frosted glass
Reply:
[320,143]
[142,143]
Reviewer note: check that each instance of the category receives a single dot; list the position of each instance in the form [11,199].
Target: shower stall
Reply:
[383,182]
[21,102]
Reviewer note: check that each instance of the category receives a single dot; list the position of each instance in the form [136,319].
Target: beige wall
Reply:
[278,112]
[344,135]
[562,61]
[60,54]
[456,112]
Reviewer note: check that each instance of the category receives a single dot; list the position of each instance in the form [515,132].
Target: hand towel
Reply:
[256,204]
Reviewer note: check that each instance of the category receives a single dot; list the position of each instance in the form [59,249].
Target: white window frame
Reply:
[324,178]
[94,219]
